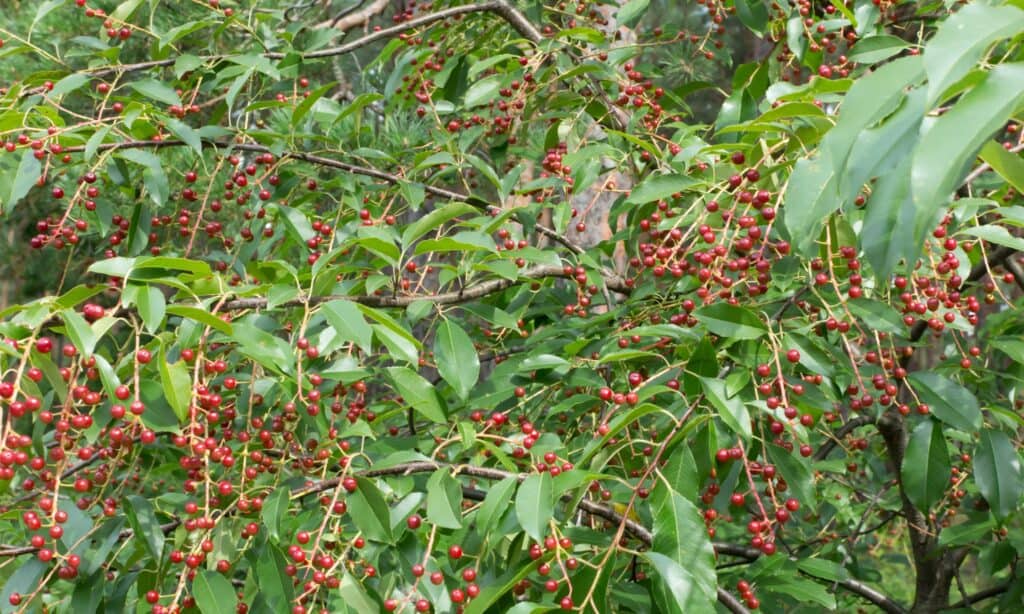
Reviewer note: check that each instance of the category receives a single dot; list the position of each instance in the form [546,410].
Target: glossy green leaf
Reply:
[482,92]
[418,393]
[202,316]
[369,511]
[444,500]
[797,473]
[535,505]
[1010,166]
[926,467]
[143,520]
[947,400]
[156,90]
[213,593]
[947,148]
[753,14]
[348,321]
[153,175]
[962,41]
[177,384]
[998,235]
[275,509]
[495,504]
[997,471]
[730,408]
[674,588]
[79,331]
[631,12]
[152,307]
[434,220]
[731,322]
[680,535]
[399,346]
[28,173]
[659,187]
[456,358]
[877,48]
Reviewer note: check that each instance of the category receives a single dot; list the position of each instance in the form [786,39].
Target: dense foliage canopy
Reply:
[511,305]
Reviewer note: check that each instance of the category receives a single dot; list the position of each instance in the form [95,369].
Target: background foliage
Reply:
[511,306]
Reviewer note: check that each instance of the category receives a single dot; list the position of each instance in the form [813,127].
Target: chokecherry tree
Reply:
[511,305]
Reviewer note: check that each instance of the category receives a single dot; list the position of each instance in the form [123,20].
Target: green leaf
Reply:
[803,590]
[369,511]
[482,92]
[444,500]
[79,331]
[418,393]
[797,473]
[69,84]
[25,579]
[202,316]
[434,220]
[811,356]
[926,468]
[630,12]
[271,579]
[949,401]
[962,40]
[996,234]
[495,505]
[307,102]
[152,307]
[945,151]
[213,593]
[535,504]
[731,322]
[398,345]
[967,532]
[675,589]
[196,267]
[659,187]
[467,241]
[997,470]
[1010,166]
[142,517]
[297,224]
[753,14]
[731,409]
[185,132]
[680,535]
[355,596]
[491,592]
[275,509]
[28,173]
[156,90]
[813,191]
[456,358]
[887,236]
[177,385]
[348,321]
[153,175]
[877,48]
[269,350]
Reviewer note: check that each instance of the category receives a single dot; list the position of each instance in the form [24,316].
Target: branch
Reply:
[730,602]
[863,590]
[348,19]
[988,593]
[446,298]
[331,163]
[323,53]
[851,425]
